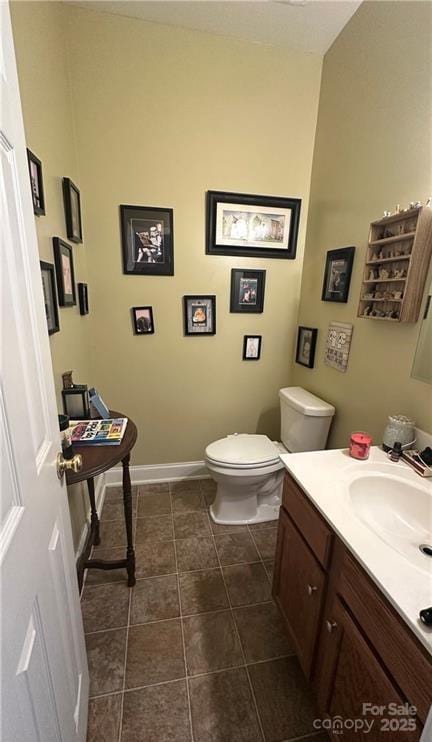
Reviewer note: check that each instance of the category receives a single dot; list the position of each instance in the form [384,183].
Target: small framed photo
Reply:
[143,320]
[36,183]
[72,206]
[247,291]
[63,259]
[147,240]
[337,274]
[199,315]
[50,299]
[252,226]
[83,298]
[306,344]
[252,347]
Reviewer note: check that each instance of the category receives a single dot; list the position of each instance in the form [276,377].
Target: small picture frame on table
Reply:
[199,315]
[247,291]
[36,183]
[337,274]
[50,298]
[72,207]
[147,240]
[306,344]
[143,320]
[252,347]
[83,298]
[63,259]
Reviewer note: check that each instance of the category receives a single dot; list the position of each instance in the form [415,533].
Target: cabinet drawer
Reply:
[309,522]
[404,657]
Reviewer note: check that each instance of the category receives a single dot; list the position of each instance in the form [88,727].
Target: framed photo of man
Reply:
[147,240]
[337,275]
[247,291]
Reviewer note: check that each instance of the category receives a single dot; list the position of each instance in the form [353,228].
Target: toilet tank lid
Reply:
[305,402]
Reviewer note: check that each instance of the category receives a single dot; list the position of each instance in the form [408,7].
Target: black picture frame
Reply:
[50,297]
[143,322]
[36,183]
[199,314]
[252,352]
[83,298]
[306,346]
[65,274]
[247,291]
[231,231]
[150,251]
[337,274]
[72,207]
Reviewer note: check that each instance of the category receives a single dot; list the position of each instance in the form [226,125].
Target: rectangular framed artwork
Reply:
[252,347]
[50,299]
[72,207]
[36,183]
[63,259]
[199,315]
[338,345]
[143,320]
[247,291]
[252,226]
[147,240]
[83,298]
[306,344]
[337,274]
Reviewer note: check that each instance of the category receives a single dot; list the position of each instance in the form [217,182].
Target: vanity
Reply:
[349,582]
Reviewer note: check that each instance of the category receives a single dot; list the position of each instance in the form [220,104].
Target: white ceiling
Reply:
[303,25]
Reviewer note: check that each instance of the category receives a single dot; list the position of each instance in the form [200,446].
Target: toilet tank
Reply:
[305,420]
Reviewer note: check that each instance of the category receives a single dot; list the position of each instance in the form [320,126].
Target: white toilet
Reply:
[248,469]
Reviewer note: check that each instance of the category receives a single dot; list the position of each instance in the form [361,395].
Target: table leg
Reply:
[94,520]
[127,500]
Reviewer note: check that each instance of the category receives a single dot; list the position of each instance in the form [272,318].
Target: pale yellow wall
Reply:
[372,151]
[162,115]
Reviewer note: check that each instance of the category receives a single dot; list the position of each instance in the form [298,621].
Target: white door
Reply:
[44,676]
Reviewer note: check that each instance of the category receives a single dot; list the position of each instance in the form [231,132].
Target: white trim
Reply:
[159,473]
[100,486]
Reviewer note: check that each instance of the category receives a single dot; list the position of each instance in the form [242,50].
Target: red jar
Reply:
[360,444]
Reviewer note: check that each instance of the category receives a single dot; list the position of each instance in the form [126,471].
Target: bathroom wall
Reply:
[372,151]
[162,115]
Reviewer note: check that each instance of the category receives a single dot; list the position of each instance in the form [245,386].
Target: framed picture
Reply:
[143,320]
[147,240]
[50,299]
[72,206]
[252,347]
[338,345]
[63,259]
[247,291]
[252,226]
[306,343]
[337,275]
[199,315]
[36,183]
[83,298]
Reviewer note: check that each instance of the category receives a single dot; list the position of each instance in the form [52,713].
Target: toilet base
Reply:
[264,513]
[246,499]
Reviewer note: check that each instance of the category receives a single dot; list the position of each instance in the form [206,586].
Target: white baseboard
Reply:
[100,486]
[151,473]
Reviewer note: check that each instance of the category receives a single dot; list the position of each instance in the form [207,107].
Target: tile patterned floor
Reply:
[196,651]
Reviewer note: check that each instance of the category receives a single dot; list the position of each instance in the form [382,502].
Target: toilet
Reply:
[248,469]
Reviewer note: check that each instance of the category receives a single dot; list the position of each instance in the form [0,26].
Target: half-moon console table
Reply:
[97,460]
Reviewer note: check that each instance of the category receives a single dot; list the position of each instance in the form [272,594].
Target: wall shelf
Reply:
[391,240]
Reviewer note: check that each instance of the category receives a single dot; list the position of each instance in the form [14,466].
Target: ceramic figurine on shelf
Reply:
[378,295]
[399,273]
[373,274]
[366,310]
[369,295]
[384,273]
[429,202]
[397,294]
[388,233]
[387,213]
[381,255]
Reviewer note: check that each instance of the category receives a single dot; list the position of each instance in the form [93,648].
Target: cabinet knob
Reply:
[331,626]
[311,589]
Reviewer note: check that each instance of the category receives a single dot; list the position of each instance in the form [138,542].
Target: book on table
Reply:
[98,432]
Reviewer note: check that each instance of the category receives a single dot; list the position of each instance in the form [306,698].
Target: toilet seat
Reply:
[243,451]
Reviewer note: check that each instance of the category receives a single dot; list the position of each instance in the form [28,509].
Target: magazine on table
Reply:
[98,432]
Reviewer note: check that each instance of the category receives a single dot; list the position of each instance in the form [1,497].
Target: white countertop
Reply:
[323,476]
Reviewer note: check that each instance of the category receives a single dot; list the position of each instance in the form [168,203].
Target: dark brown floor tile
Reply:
[263,526]
[112,511]
[209,497]
[105,655]
[155,558]
[155,653]
[265,541]
[208,485]
[211,642]
[102,577]
[247,583]
[218,528]
[262,632]
[154,599]
[202,591]
[115,494]
[269,568]
[158,714]
[187,525]
[104,719]
[188,502]
[223,709]
[153,488]
[154,504]
[154,528]
[105,607]
[196,553]
[112,533]
[186,485]
[283,698]
[236,548]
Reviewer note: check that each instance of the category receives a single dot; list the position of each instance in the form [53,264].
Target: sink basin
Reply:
[395,508]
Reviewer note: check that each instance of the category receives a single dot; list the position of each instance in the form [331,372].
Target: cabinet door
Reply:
[298,589]
[358,679]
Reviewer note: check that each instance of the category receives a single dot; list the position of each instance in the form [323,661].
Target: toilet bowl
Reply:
[247,468]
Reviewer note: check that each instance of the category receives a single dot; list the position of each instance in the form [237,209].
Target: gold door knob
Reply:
[74,464]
